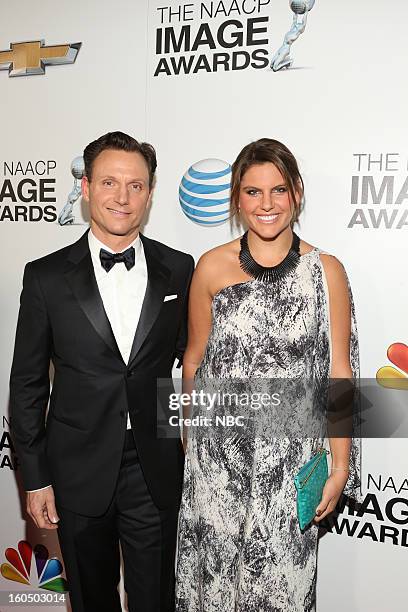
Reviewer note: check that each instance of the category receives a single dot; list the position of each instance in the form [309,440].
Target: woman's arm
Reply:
[340,331]
[199,325]
[199,316]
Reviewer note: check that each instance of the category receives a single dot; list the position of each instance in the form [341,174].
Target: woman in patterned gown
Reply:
[240,546]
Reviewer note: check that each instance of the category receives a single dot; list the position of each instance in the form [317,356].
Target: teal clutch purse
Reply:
[309,483]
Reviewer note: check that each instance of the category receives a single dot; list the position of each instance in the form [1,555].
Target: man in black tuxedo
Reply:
[110,312]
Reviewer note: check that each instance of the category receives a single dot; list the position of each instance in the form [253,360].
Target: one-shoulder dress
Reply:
[240,547]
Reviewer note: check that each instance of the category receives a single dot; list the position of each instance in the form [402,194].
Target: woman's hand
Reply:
[331,494]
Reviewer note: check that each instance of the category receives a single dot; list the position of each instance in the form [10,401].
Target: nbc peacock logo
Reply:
[395,377]
[44,573]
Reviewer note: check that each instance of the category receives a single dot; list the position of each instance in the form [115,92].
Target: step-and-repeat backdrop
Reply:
[199,80]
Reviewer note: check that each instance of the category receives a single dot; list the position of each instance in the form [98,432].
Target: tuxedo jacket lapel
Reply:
[157,283]
[81,278]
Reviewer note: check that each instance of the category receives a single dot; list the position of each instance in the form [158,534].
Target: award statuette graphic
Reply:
[300,10]
[78,171]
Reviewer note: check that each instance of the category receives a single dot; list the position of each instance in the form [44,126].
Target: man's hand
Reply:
[41,508]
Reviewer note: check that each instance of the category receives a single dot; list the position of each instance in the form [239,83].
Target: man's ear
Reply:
[149,199]
[85,188]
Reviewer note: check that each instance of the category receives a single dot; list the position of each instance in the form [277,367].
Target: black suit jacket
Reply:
[78,449]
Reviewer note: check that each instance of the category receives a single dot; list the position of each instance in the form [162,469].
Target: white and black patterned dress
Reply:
[240,546]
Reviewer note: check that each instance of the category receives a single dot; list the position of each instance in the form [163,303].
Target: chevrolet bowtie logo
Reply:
[27,58]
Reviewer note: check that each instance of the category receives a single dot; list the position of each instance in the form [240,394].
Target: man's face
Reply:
[118,192]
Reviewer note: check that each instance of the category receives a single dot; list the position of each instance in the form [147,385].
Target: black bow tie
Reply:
[108,260]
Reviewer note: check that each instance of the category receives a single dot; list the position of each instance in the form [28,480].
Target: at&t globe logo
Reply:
[204,192]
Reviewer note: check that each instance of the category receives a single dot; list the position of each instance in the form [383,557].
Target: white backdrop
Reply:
[343,100]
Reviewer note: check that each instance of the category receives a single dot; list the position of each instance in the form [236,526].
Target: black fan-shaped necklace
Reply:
[271,273]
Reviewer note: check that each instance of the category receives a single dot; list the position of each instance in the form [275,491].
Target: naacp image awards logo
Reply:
[225,35]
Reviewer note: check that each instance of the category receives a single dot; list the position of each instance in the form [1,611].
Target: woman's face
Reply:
[264,200]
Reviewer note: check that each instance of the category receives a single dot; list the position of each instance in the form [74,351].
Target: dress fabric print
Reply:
[240,545]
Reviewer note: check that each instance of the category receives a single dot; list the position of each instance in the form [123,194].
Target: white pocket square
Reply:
[170,297]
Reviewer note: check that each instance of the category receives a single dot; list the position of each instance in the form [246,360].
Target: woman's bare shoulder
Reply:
[218,266]
[218,256]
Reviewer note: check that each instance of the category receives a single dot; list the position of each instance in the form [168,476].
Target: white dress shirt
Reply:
[122,292]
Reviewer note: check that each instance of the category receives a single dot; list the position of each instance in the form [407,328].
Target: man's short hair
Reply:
[118,141]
